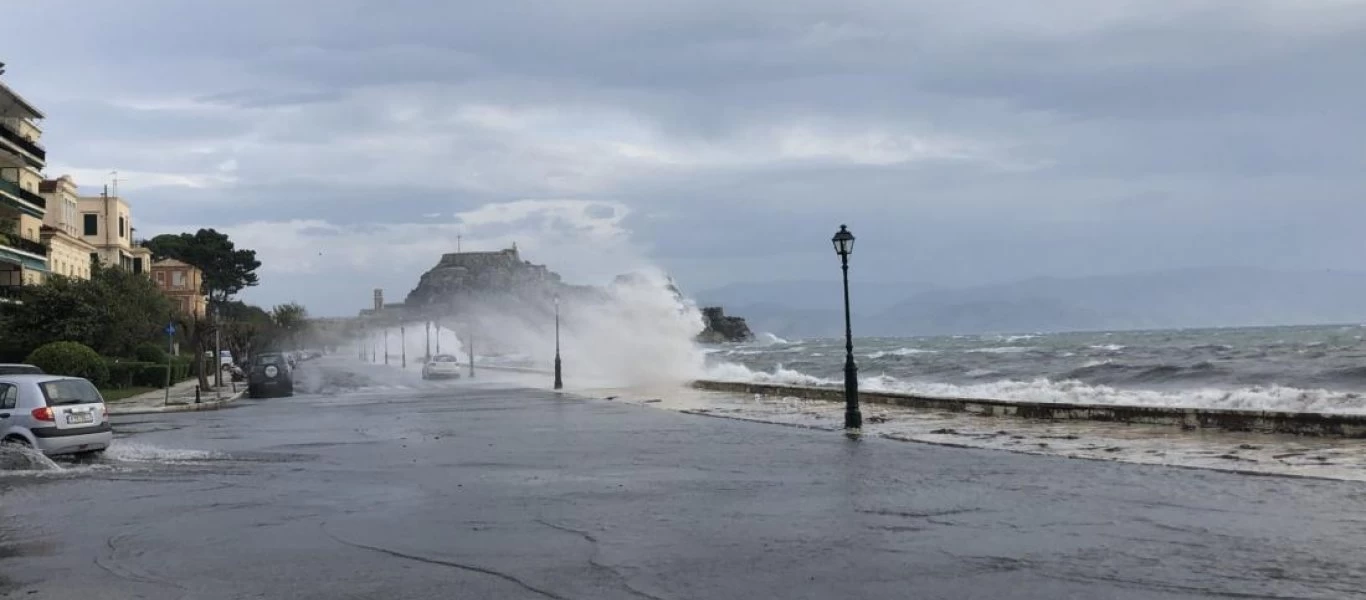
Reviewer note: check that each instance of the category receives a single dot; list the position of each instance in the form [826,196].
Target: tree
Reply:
[113,312]
[245,328]
[227,270]
[292,320]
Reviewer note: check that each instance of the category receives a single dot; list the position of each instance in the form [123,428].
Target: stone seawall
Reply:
[1315,424]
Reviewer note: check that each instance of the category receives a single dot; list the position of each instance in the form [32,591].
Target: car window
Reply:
[268,359]
[9,396]
[444,358]
[70,391]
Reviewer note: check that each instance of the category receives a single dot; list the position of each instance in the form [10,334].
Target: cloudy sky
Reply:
[964,141]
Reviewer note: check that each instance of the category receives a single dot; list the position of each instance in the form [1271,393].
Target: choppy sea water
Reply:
[1319,368]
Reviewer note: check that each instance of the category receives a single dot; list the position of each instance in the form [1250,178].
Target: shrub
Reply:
[180,368]
[70,358]
[150,353]
[151,375]
[124,373]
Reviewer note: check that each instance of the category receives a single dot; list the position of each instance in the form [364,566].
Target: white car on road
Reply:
[441,366]
[53,414]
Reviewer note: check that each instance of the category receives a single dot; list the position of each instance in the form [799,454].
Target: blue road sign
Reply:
[170,329]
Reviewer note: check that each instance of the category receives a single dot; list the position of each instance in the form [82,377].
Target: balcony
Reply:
[23,143]
[13,189]
[18,243]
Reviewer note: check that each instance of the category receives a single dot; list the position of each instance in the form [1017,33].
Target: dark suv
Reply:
[271,375]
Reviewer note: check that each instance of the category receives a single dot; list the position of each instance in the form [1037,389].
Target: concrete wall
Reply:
[1317,424]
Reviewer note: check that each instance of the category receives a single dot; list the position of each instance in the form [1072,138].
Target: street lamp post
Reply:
[386,345]
[853,419]
[438,335]
[471,351]
[403,345]
[559,381]
[428,358]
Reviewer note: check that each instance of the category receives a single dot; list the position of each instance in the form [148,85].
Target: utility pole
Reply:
[471,349]
[217,355]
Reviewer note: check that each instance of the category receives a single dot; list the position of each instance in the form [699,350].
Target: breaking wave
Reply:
[1269,397]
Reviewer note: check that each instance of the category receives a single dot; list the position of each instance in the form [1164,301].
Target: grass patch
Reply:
[120,394]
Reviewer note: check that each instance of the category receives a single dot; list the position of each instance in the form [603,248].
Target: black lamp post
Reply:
[403,345]
[853,419]
[559,381]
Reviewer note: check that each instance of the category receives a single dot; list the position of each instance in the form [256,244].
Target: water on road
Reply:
[374,484]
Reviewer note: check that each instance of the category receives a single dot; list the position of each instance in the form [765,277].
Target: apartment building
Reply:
[107,224]
[69,254]
[183,284]
[23,257]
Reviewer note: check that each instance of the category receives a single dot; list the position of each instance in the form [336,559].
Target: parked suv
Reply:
[271,374]
[53,414]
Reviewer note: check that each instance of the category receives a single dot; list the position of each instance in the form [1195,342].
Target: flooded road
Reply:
[376,484]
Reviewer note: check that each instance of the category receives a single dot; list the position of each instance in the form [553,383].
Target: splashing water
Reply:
[16,458]
[638,332]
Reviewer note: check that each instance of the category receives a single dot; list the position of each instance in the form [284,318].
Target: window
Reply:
[9,396]
[137,265]
[94,258]
[177,279]
[70,391]
[92,224]
[161,278]
[121,231]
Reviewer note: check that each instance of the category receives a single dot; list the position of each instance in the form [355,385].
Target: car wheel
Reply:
[15,440]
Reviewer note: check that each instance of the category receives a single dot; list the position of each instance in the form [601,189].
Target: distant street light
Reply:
[853,419]
[559,381]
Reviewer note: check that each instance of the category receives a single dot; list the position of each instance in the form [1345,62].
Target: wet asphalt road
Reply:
[458,491]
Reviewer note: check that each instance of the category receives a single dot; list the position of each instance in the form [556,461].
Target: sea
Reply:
[1299,368]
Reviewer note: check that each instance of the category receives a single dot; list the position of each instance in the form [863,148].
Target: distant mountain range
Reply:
[1206,297]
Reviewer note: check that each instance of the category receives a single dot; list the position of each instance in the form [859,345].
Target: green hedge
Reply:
[70,358]
[125,374]
[151,353]
[151,375]
[181,367]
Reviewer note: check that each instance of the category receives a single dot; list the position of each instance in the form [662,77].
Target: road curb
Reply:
[210,405]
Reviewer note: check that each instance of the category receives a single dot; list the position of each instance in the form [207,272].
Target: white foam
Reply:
[1108,347]
[767,339]
[138,452]
[1274,397]
[900,352]
[1003,350]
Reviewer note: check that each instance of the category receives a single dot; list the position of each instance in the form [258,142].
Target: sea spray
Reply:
[637,331]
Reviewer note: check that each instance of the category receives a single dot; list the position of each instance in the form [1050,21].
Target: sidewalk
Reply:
[181,399]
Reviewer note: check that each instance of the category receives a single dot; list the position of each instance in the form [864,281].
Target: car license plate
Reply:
[81,417]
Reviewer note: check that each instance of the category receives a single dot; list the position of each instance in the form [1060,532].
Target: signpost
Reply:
[170,347]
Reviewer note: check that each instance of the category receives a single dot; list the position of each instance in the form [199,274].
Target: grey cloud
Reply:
[1129,136]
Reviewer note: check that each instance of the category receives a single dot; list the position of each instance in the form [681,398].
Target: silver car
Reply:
[441,366]
[53,414]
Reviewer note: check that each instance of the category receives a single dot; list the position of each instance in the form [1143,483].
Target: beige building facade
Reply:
[107,224]
[23,256]
[69,255]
